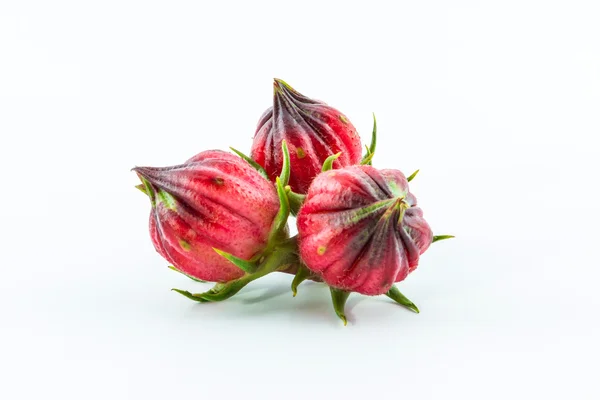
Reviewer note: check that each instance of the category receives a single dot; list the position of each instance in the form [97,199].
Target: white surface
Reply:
[497,104]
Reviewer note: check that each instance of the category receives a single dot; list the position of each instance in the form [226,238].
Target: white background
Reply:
[496,102]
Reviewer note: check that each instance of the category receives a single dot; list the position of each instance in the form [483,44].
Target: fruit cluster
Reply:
[222,218]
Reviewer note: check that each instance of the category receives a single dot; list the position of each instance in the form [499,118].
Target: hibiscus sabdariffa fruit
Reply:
[217,218]
[313,132]
[360,230]
[215,200]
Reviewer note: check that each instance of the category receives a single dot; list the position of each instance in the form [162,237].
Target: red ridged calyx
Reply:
[313,131]
[360,229]
[215,200]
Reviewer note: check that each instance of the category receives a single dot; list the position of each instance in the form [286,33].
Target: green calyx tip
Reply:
[189,295]
[246,266]
[412,176]
[368,158]
[146,187]
[328,163]
[302,274]
[399,298]
[250,161]
[156,194]
[441,237]
[339,298]
[373,136]
[142,188]
[285,168]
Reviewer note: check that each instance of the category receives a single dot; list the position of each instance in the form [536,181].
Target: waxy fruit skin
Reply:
[360,229]
[213,200]
[313,131]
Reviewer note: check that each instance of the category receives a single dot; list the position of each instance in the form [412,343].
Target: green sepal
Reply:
[281,218]
[412,176]
[222,291]
[190,295]
[283,254]
[328,163]
[183,273]
[219,292]
[142,188]
[285,168]
[253,163]
[367,159]
[399,298]
[339,297]
[148,190]
[246,266]
[373,136]
[296,200]
[441,237]
[301,275]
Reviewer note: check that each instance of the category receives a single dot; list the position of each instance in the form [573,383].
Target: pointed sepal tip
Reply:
[328,163]
[437,238]
[339,298]
[245,265]
[302,274]
[252,163]
[412,176]
[399,298]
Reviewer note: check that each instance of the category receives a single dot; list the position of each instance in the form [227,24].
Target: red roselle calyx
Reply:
[214,200]
[313,131]
[360,230]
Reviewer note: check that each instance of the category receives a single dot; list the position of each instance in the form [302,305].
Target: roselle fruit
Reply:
[313,131]
[360,230]
[215,200]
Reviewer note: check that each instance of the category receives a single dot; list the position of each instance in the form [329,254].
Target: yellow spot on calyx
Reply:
[185,245]
[321,250]
[300,152]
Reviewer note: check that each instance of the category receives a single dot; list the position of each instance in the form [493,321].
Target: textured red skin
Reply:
[310,125]
[361,253]
[220,202]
